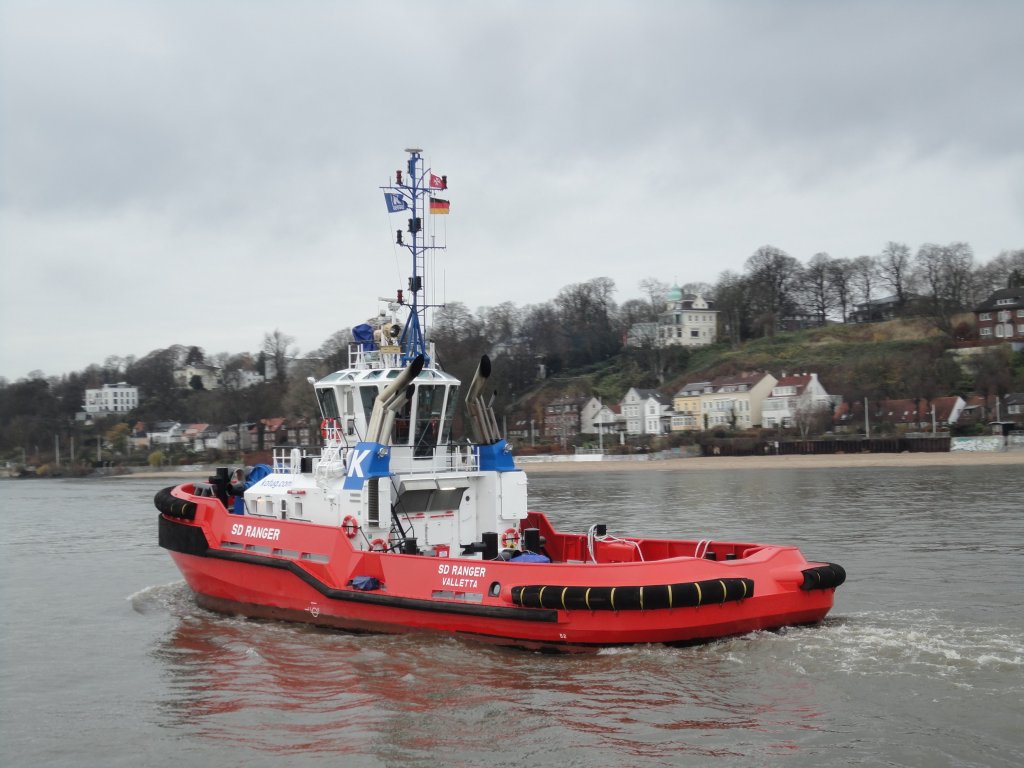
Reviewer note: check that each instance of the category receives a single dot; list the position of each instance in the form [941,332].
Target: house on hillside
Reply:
[795,397]
[267,433]
[202,437]
[278,432]
[197,376]
[646,412]
[111,398]
[588,416]
[241,378]
[686,416]
[236,437]
[596,418]
[916,414]
[688,320]
[944,412]
[167,433]
[562,418]
[736,401]
[1001,316]
[885,308]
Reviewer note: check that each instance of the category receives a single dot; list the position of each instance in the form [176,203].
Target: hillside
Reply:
[898,358]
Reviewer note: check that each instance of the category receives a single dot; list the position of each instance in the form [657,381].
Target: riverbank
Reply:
[698,463]
[812,461]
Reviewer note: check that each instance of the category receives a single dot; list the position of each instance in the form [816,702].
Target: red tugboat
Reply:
[394,527]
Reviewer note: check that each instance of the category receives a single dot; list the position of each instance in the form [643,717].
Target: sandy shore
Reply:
[832,460]
[732,463]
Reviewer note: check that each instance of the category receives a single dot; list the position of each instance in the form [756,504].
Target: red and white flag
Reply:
[436,182]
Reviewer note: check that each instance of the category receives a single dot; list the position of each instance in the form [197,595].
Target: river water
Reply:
[106,661]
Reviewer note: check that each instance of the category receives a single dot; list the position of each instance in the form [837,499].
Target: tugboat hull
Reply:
[535,605]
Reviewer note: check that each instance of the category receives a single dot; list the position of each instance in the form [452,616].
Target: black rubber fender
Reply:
[633,598]
[169,504]
[828,576]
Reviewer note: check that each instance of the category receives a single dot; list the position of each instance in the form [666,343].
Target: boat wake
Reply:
[911,644]
[907,643]
[174,598]
[925,643]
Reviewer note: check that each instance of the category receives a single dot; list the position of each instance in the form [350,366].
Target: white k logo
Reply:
[355,469]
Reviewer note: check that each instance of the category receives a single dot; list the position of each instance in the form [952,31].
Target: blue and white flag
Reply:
[395,202]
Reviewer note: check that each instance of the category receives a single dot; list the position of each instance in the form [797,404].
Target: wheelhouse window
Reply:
[328,403]
[449,413]
[429,405]
[367,395]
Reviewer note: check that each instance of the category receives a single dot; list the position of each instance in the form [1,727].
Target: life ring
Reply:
[510,538]
[350,526]
[327,426]
[379,545]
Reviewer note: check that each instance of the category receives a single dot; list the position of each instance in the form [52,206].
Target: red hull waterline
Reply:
[637,591]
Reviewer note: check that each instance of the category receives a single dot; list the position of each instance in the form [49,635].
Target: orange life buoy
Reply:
[379,545]
[350,526]
[510,538]
[327,426]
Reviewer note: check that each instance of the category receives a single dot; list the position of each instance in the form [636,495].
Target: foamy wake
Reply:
[912,643]
[174,598]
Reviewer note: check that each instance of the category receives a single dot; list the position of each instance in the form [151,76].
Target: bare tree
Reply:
[1004,271]
[278,347]
[586,323]
[334,350]
[700,289]
[655,290]
[948,273]
[816,290]
[895,268]
[732,297]
[774,277]
[841,278]
[502,323]
[634,311]
[811,417]
[865,276]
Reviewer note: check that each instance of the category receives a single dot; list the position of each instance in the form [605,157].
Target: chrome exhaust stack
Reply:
[481,414]
[391,400]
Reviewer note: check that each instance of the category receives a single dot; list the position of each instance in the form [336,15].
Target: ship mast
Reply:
[410,193]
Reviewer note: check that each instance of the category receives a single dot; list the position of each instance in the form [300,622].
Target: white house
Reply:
[588,416]
[596,418]
[207,375]
[112,398]
[689,320]
[645,411]
[794,396]
[167,433]
[241,378]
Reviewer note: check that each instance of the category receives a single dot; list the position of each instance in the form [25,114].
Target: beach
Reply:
[544,465]
[810,461]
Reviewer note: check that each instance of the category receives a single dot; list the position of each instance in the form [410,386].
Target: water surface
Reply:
[106,660]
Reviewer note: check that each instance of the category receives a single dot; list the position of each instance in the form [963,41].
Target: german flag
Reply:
[437,205]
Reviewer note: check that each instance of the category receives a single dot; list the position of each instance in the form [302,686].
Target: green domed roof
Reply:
[674,294]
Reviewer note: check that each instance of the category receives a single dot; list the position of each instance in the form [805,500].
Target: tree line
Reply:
[938,281]
[582,328]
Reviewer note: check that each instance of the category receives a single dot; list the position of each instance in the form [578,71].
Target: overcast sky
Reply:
[204,172]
